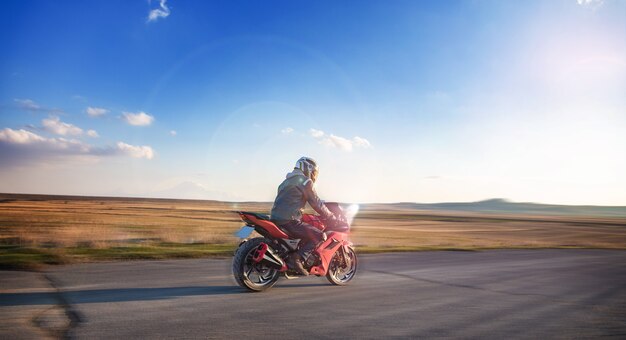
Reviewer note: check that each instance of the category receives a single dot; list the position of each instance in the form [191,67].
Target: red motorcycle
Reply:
[260,261]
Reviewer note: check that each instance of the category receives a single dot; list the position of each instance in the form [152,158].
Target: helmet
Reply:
[308,166]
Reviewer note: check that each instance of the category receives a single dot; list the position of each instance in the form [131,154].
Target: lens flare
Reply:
[351,212]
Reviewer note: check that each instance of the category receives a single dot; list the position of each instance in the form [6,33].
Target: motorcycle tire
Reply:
[253,276]
[340,273]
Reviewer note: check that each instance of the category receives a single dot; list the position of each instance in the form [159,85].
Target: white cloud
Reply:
[162,12]
[27,104]
[92,134]
[96,111]
[135,151]
[137,119]
[590,2]
[316,133]
[30,105]
[19,136]
[56,126]
[341,143]
[333,141]
[27,138]
[286,130]
[173,133]
[361,142]
[26,147]
[593,4]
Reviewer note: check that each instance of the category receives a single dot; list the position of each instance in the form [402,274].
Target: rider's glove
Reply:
[333,218]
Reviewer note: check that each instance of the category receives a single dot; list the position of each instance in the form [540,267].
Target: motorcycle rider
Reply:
[293,194]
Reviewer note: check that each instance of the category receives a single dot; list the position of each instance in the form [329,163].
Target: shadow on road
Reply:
[297,285]
[115,295]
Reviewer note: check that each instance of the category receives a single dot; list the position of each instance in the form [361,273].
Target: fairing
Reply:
[327,250]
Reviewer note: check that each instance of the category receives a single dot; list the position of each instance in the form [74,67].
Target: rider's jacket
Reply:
[293,194]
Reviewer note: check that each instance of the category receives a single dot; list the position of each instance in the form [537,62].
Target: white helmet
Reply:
[308,166]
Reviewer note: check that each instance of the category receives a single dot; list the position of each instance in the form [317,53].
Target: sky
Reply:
[398,101]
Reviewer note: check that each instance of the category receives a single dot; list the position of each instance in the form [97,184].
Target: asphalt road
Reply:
[491,294]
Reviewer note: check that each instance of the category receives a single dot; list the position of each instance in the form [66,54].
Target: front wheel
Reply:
[342,268]
[250,275]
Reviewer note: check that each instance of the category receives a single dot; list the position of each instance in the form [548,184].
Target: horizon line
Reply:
[269,202]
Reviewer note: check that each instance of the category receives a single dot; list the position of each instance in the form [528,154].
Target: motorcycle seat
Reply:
[263,221]
[257,215]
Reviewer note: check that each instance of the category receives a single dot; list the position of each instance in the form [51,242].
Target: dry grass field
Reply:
[36,229]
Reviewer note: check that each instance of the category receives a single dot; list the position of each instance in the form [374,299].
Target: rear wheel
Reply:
[342,269]
[249,274]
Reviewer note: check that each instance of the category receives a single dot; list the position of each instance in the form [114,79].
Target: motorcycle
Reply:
[259,262]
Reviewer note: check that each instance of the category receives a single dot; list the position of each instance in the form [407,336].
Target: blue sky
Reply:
[423,101]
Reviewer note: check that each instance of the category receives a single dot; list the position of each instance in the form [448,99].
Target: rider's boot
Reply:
[310,261]
[295,263]
[307,254]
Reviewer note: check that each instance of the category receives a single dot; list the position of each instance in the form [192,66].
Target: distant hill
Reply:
[495,206]
[499,205]
[190,191]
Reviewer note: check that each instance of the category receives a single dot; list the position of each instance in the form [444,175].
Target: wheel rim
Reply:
[256,273]
[343,272]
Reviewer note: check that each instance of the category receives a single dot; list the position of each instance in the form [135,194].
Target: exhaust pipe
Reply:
[264,254]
